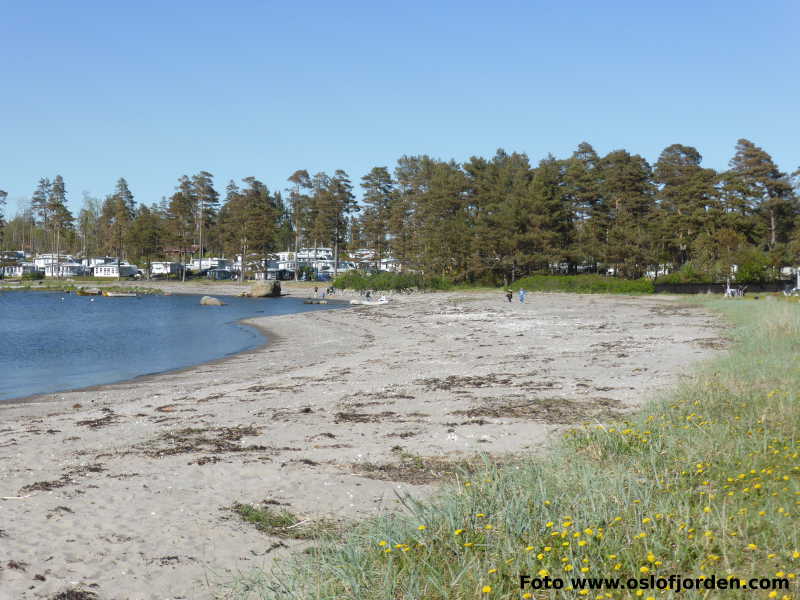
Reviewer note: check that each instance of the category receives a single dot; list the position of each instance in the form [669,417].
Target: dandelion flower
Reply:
[486,589]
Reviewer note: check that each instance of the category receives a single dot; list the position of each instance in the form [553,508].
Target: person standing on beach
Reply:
[522,295]
[509,294]
[316,293]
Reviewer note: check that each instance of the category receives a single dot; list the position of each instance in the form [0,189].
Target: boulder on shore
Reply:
[263,289]
[259,289]
[211,301]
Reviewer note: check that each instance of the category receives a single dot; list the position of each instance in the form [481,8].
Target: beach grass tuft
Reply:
[704,481]
[281,523]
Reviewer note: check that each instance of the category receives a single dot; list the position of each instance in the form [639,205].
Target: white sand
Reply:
[137,506]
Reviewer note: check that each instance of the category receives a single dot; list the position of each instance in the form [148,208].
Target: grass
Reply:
[584,284]
[702,482]
[281,523]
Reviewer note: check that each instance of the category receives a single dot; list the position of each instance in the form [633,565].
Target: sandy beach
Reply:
[125,490]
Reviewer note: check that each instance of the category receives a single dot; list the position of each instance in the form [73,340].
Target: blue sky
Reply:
[149,91]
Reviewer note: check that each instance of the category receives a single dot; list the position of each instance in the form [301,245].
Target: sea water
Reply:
[52,341]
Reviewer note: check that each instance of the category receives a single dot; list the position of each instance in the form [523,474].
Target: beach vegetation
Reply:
[584,284]
[282,523]
[395,282]
[703,481]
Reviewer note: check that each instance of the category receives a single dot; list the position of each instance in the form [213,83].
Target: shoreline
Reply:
[132,486]
[42,398]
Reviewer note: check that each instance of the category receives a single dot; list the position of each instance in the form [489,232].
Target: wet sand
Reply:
[125,490]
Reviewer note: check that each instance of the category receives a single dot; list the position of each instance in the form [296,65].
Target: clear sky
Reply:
[152,90]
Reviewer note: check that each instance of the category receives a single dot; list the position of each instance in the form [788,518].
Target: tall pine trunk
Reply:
[772,227]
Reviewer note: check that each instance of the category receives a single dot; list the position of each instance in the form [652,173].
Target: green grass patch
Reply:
[584,284]
[282,523]
[702,482]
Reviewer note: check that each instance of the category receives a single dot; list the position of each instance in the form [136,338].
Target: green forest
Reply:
[487,220]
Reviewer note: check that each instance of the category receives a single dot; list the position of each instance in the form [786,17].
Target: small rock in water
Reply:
[211,301]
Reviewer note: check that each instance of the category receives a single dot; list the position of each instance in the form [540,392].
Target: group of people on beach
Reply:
[510,295]
[328,291]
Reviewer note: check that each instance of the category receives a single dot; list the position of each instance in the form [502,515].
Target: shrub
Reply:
[686,274]
[397,282]
[584,284]
[754,267]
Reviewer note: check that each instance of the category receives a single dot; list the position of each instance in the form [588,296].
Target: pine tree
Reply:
[628,196]
[180,214]
[61,218]
[248,220]
[207,200]
[553,220]
[443,223]
[322,211]
[3,196]
[300,205]
[501,206]
[116,216]
[343,203]
[582,181]
[40,207]
[284,237]
[688,202]
[235,225]
[379,192]
[145,234]
[756,188]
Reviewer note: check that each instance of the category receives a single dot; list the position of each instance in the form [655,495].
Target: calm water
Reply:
[52,342]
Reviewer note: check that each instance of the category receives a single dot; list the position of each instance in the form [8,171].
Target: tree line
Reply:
[487,219]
